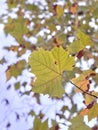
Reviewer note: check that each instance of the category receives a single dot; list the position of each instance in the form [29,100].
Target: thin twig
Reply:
[83,90]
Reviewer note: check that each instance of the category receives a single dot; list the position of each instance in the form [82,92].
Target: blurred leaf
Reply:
[16,69]
[89,99]
[78,124]
[74,108]
[80,54]
[73,8]
[17,28]
[95,78]
[14,3]
[54,126]
[40,40]
[94,8]
[70,74]
[17,85]
[48,67]
[84,112]
[14,48]
[91,112]
[80,43]
[95,13]
[2,61]
[52,27]
[61,39]
[38,125]
[8,74]
[59,11]
[32,7]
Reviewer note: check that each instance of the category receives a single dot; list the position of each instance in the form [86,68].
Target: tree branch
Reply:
[83,90]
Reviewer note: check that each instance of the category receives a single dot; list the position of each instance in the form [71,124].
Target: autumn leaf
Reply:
[16,69]
[92,112]
[73,8]
[48,67]
[78,124]
[84,112]
[89,99]
[80,43]
[83,80]
[60,39]
[80,54]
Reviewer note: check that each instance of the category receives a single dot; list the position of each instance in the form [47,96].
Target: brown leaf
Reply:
[8,74]
[80,54]
[83,81]
[84,112]
[73,8]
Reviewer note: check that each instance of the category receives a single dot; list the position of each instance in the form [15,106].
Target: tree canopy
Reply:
[61,38]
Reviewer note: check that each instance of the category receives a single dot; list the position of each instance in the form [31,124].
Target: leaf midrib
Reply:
[48,81]
[47,67]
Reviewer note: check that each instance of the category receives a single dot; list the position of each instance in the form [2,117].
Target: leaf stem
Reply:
[83,90]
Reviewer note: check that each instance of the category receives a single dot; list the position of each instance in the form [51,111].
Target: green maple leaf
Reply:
[48,67]
[80,43]
[78,124]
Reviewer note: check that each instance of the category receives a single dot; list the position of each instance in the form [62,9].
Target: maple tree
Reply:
[54,57]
